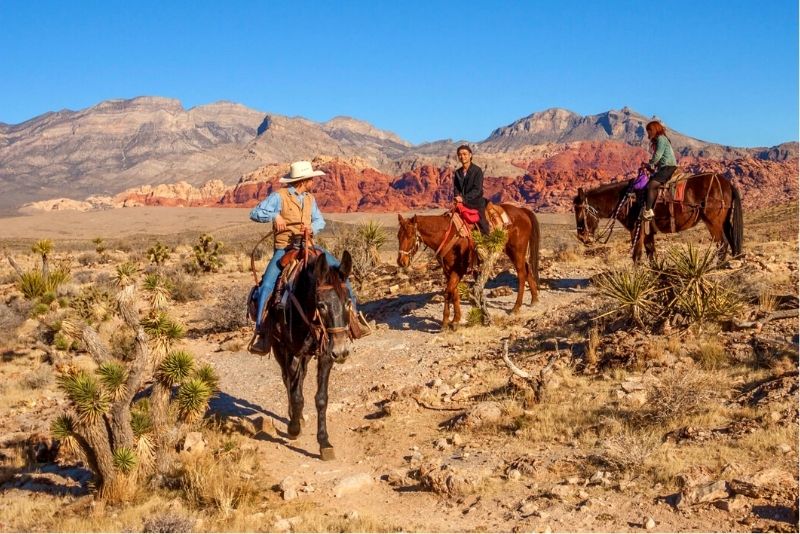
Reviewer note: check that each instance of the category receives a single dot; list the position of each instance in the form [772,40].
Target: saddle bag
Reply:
[469,215]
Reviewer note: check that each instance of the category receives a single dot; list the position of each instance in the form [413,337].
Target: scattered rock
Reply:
[649,523]
[487,412]
[352,515]
[631,385]
[352,484]
[281,525]
[289,487]
[734,504]
[194,443]
[702,493]
[457,440]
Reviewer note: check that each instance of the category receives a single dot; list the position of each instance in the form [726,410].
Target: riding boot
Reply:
[259,344]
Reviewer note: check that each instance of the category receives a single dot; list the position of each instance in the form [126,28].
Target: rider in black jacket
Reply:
[468,186]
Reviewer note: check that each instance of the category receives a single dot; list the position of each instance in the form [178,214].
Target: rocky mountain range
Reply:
[119,151]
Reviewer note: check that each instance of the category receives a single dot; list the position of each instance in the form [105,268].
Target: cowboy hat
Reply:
[300,170]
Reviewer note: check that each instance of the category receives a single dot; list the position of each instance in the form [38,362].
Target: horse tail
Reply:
[533,245]
[734,225]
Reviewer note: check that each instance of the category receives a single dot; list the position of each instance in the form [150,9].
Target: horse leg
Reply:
[296,402]
[717,236]
[324,365]
[447,294]
[452,288]
[521,266]
[650,246]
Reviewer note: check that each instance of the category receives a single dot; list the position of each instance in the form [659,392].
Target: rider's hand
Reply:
[458,200]
[280,223]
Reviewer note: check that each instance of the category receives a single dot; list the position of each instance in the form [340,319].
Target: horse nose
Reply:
[340,351]
[401,261]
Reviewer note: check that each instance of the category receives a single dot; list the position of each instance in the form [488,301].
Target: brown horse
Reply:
[522,249]
[708,198]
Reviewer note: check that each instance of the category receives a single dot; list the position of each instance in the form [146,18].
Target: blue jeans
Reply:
[273,271]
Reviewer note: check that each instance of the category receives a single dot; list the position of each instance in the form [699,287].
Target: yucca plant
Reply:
[697,285]
[158,289]
[99,245]
[373,236]
[207,374]
[124,459]
[192,399]
[43,247]
[126,274]
[489,247]
[87,396]
[63,429]
[163,330]
[635,291]
[176,367]
[32,284]
[113,376]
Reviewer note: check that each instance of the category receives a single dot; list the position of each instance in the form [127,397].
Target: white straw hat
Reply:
[300,170]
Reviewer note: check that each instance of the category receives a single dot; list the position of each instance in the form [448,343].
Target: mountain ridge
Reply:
[121,144]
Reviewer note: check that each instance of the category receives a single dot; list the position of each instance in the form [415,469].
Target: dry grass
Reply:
[221,479]
[229,313]
[710,355]
[679,393]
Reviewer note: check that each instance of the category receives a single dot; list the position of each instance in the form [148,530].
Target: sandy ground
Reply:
[152,221]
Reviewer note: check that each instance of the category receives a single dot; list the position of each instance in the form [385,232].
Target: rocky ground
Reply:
[616,429]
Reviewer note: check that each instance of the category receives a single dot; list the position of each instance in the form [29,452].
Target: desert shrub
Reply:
[207,254]
[710,355]
[567,252]
[169,521]
[634,290]
[12,315]
[686,283]
[99,245]
[38,378]
[229,313]
[184,287]
[34,283]
[679,393]
[212,480]
[629,450]
[363,242]
[88,258]
[94,304]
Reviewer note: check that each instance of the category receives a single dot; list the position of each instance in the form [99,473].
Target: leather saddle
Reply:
[675,188]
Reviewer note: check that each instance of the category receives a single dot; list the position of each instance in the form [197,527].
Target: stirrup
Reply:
[259,344]
[648,215]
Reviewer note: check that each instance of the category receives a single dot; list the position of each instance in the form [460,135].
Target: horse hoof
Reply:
[327,454]
[293,431]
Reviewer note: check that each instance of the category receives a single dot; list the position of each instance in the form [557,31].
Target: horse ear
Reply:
[346,266]
[321,267]
[581,194]
[400,219]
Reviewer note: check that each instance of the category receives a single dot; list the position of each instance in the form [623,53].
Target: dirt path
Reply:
[407,350]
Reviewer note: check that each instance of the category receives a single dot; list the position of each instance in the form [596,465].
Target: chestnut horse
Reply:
[522,248]
[708,197]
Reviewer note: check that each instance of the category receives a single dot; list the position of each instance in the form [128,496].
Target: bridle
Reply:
[414,246]
[590,211]
[321,333]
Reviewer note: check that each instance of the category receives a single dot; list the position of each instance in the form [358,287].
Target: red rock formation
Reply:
[547,181]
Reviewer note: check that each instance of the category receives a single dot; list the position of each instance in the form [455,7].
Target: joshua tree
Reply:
[118,437]
[206,253]
[489,248]
[43,247]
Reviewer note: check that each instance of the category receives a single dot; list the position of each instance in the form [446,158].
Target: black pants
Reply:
[483,224]
[657,180]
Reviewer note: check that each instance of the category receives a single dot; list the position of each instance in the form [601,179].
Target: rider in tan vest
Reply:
[292,209]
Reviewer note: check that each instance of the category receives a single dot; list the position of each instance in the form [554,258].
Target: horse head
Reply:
[586,219]
[408,240]
[332,304]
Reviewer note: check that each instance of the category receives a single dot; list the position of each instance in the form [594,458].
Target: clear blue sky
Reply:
[722,71]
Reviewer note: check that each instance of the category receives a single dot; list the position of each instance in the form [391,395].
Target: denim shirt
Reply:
[270,207]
